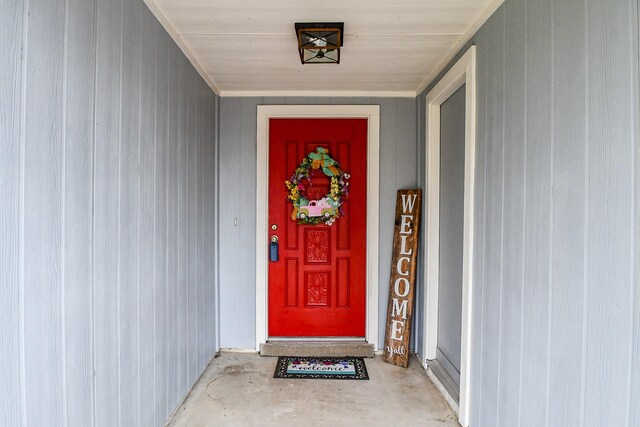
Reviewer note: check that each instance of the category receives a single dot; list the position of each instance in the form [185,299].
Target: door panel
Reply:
[318,286]
[452,123]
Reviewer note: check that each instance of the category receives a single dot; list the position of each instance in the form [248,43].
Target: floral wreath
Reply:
[327,209]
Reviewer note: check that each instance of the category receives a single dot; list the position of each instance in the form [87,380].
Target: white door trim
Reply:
[463,72]
[265,112]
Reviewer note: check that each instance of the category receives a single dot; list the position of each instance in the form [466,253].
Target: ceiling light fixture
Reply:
[319,43]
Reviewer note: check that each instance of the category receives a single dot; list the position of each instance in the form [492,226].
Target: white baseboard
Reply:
[448,396]
[238,350]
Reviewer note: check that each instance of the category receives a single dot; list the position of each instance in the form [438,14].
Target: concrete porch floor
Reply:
[239,390]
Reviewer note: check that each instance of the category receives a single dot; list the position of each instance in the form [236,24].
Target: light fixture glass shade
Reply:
[319,43]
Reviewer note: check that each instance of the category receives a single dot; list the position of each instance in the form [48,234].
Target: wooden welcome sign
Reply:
[403,277]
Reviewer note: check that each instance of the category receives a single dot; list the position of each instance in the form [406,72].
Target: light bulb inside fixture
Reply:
[320,42]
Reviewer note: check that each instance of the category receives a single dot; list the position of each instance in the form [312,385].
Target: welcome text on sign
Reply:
[402,284]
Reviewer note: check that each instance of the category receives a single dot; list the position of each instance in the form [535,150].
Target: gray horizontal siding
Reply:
[107,309]
[556,329]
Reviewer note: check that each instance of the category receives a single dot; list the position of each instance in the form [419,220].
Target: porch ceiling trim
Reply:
[319,94]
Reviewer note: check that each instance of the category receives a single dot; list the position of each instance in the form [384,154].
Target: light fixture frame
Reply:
[307,29]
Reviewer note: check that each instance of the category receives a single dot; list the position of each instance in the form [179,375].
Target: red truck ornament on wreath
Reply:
[325,210]
[324,207]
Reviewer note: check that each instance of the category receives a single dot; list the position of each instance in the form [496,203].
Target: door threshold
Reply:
[324,348]
[317,339]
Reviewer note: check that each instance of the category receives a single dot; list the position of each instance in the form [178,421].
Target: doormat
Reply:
[326,368]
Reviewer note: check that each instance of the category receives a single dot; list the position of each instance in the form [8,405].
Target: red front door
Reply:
[317,288]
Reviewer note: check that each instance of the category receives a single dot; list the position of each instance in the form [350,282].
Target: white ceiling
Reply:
[249,47]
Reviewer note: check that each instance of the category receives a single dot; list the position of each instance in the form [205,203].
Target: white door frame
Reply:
[266,112]
[463,72]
